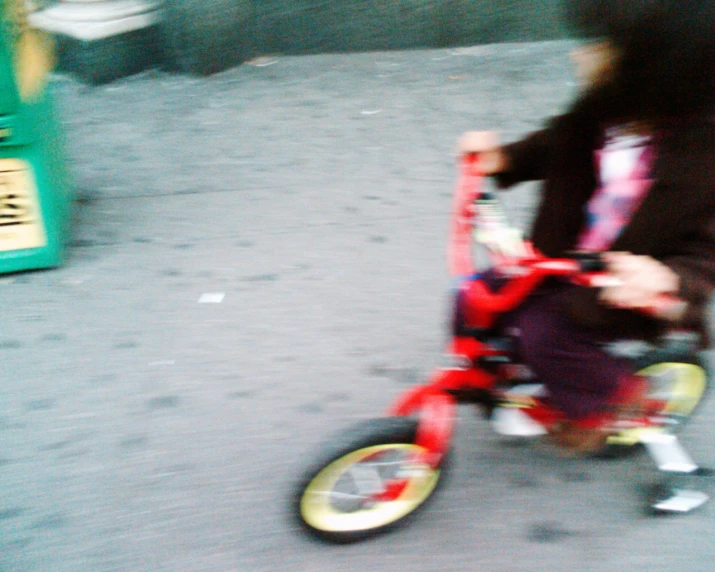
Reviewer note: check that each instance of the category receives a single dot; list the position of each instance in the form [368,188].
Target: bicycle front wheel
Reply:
[367,482]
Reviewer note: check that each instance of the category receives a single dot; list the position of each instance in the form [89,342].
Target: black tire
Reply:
[683,391]
[314,507]
[203,37]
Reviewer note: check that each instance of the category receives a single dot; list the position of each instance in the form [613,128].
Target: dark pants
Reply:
[568,359]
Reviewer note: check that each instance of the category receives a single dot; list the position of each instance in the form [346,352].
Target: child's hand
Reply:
[642,279]
[492,159]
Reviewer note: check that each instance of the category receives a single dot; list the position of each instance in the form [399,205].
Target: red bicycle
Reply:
[376,474]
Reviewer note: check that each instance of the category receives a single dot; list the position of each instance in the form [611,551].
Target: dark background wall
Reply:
[205,36]
[309,26]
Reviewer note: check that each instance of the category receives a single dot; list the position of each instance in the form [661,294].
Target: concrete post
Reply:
[102,40]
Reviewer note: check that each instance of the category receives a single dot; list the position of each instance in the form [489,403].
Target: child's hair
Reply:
[665,68]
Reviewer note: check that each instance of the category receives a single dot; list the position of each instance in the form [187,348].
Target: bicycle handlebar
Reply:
[527,272]
[533,273]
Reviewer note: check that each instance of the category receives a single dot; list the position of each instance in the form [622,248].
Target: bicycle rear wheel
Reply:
[679,381]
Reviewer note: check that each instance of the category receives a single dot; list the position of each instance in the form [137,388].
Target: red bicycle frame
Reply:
[435,402]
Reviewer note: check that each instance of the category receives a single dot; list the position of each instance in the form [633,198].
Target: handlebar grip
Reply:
[589,261]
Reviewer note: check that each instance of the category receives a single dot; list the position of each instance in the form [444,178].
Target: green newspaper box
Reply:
[34,186]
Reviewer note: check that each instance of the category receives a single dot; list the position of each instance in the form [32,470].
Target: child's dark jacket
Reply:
[675,223]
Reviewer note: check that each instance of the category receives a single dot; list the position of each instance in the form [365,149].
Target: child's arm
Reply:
[526,160]
[510,164]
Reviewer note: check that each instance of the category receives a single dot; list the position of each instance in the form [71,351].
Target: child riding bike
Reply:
[628,170]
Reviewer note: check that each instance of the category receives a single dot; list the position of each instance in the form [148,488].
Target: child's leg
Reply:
[580,376]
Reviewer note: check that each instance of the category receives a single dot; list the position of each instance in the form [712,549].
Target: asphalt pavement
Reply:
[257,261]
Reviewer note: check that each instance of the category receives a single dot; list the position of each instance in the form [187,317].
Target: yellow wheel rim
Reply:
[362,473]
[685,385]
[679,385]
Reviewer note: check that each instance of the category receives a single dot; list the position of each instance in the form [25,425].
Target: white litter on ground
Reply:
[212,298]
